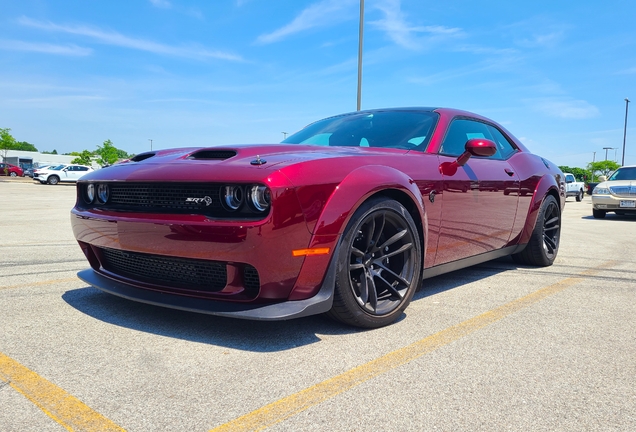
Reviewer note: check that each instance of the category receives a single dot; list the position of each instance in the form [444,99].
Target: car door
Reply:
[479,198]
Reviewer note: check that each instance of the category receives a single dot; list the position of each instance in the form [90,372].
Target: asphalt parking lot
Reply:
[493,347]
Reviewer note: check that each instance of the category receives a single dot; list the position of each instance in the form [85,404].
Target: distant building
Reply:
[29,159]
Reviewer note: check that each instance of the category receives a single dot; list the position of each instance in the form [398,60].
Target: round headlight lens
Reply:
[90,193]
[260,197]
[232,197]
[102,193]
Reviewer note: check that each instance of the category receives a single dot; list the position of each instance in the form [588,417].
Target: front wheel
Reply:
[53,180]
[598,214]
[13,174]
[543,246]
[379,263]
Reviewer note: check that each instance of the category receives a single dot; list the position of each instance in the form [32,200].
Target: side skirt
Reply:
[470,261]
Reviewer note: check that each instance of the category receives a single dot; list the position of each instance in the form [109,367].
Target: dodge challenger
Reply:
[346,217]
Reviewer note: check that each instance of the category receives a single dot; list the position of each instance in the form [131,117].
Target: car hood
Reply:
[230,163]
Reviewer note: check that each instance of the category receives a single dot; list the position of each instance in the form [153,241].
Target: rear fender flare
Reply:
[547,185]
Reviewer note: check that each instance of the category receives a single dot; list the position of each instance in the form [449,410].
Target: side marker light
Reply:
[307,252]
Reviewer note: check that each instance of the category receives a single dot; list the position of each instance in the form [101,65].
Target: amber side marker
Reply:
[291,405]
[307,252]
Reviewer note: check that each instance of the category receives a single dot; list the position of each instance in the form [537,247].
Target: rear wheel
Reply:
[598,214]
[544,242]
[53,180]
[579,196]
[379,263]
[13,174]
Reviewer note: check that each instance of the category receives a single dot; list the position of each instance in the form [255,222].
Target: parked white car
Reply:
[617,194]
[60,173]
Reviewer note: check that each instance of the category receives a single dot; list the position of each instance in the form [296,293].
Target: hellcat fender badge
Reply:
[258,161]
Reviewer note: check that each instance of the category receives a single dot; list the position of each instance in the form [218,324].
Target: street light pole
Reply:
[625,130]
[606,149]
[150,144]
[593,160]
[360,54]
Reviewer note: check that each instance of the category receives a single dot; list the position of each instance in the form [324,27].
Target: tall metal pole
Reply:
[150,144]
[360,54]
[625,130]
[606,149]
[593,160]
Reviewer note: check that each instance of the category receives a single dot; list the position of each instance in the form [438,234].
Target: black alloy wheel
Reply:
[543,246]
[379,263]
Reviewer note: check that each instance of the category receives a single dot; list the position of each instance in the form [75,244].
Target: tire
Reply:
[53,180]
[543,246]
[579,196]
[598,214]
[379,265]
[13,174]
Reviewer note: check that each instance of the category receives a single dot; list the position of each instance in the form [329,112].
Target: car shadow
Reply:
[256,336]
[613,216]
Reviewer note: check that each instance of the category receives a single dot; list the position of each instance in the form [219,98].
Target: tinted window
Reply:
[388,129]
[461,130]
[569,178]
[81,168]
[624,174]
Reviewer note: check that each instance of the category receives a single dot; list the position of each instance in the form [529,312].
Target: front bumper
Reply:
[613,203]
[317,304]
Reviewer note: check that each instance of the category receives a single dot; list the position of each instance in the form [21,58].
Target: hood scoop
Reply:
[142,156]
[212,154]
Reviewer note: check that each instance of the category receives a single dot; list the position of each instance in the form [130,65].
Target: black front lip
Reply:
[317,304]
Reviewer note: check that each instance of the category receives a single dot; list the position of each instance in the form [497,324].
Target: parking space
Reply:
[493,347]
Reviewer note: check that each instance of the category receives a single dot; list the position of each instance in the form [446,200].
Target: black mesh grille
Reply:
[199,275]
[171,197]
[251,280]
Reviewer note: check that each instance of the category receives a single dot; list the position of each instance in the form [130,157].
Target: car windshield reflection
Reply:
[624,174]
[384,129]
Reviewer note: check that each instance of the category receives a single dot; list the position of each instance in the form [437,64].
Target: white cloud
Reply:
[69,50]
[163,4]
[321,14]
[402,33]
[565,108]
[118,39]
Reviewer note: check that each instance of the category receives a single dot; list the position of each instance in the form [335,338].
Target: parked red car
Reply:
[347,216]
[11,170]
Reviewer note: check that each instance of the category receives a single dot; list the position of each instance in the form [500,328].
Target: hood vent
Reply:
[212,154]
[142,156]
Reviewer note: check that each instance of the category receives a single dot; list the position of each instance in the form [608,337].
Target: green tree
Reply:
[83,158]
[7,142]
[107,153]
[25,146]
[49,152]
[602,167]
[579,173]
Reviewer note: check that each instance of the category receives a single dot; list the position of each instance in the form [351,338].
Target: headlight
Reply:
[232,197]
[600,191]
[260,197]
[90,193]
[102,193]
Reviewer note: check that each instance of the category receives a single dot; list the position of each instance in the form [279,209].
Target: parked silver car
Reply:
[617,194]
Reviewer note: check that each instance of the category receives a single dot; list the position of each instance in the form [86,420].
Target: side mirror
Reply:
[477,147]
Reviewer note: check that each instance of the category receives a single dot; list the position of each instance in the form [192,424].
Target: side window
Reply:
[79,168]
[504,148]
[460,131]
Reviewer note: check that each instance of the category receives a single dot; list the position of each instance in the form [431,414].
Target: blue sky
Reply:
[199,73]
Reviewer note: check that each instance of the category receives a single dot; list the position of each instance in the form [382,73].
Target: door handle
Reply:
[509,172]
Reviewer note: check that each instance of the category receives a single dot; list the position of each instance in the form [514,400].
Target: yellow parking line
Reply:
[65,409]
[284,408]
[46,282]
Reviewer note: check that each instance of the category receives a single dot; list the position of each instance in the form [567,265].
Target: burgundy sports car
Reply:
[346,216]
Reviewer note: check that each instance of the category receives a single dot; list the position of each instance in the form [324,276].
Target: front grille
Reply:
[183,273]
[168,198]
[161,197]
[623,191]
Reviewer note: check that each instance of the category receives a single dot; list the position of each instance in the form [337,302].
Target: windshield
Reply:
[385,129]
[624,174]
[56,168]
